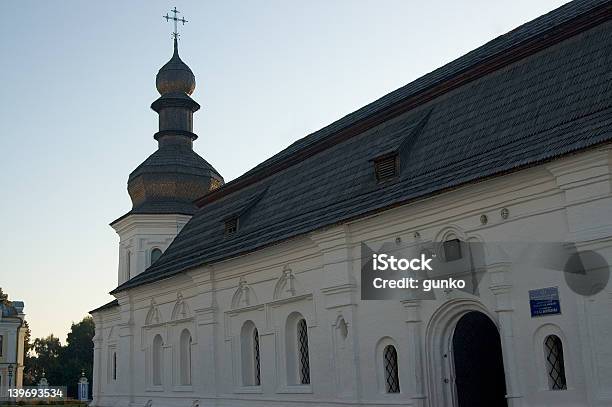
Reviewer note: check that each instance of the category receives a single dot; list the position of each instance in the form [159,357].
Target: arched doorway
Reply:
[478,362]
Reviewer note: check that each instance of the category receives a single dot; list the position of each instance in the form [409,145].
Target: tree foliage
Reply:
[62,364]
[4,298]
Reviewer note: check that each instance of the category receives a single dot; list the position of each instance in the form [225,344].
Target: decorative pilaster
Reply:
[205,311]
[415,351]
[501,287]
[97,359]
[340,289]
[586,182]
[125,361]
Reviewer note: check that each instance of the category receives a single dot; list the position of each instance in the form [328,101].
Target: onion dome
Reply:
[174,176]
[175,76]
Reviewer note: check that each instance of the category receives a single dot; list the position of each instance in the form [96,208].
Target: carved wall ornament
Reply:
[287,285]
[244,295]
[153,316]
[180,310]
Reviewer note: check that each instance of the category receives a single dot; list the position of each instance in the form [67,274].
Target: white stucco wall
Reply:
[139,235]
[568,200]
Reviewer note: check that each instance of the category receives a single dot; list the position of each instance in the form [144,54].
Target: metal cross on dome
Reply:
[176,20]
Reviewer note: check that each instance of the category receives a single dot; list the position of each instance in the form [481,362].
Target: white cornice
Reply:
[131,222]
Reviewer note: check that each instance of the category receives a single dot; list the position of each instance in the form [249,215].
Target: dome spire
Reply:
[176,20]
[175,76]
[174,175]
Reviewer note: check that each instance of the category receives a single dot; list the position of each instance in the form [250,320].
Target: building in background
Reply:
[12,335]
[249,293]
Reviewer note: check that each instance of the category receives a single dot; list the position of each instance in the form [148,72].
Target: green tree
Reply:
[26,338]
[46,357]
[4,298]
[77,355]
[62,364]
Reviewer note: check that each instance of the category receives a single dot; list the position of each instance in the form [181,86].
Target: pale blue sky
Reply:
[78,78]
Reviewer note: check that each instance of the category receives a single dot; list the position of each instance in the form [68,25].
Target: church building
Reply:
[253,292]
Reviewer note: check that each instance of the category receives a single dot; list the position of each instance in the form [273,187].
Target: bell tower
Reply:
[164,187]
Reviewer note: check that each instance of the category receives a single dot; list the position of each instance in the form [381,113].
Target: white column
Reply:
[97,361]
[340,297]
[415,351]
[502,290]
[125,359]
[205,367]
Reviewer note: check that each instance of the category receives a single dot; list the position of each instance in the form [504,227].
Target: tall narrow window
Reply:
[185,353]
[390,364]
[256,371]
[114,365]
[1,343]
[304,362]
[128,265]
[157,357]
[249,349]
[297,350]
[155,255]
[555,364]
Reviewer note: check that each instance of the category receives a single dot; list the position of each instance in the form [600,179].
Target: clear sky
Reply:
[78,78]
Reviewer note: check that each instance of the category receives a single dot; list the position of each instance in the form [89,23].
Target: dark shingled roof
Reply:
[108,305]
[551,103]
[180,163]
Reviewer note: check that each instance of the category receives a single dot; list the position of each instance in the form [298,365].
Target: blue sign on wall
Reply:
[544,301]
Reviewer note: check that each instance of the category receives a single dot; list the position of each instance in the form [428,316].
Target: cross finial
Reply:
[176,20]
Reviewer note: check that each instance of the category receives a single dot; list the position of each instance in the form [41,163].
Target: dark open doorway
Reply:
[479,366]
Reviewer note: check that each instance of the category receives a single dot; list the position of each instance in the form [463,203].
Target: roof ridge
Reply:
[499,47]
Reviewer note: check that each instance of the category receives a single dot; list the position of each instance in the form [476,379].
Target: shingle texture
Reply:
[108,305]
[552,103]
[169,180]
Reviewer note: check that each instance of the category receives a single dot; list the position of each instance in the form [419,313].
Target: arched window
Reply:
[392,384]
[249,344]
[304,362]
[158,344]
[155,255]
[128,265]
[114,365]
[555,363]
[296,344]
[256,372]
[185,352]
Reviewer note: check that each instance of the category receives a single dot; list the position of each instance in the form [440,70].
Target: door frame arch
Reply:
[438,351]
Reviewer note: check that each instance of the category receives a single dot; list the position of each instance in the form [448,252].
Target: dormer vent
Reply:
[231,226]
[386,167]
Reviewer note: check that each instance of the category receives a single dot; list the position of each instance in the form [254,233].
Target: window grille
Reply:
[256,357]
[114,366]
[390,364]
[302,336]
[554,363]
[386,168]
[452,250]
